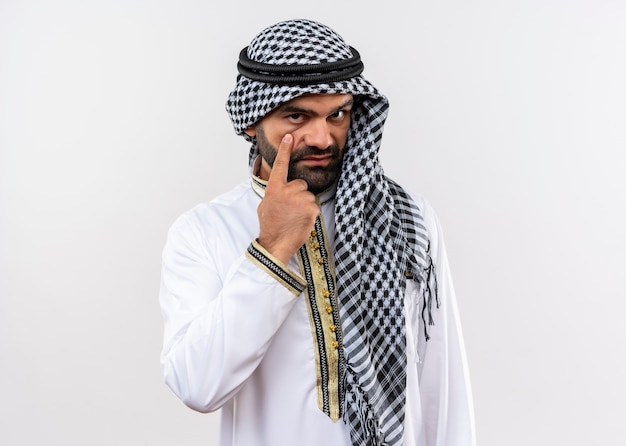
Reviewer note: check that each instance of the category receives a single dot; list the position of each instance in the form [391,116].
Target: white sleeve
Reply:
[443,375]
[217,326]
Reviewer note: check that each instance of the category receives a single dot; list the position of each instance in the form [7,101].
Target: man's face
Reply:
[319,125]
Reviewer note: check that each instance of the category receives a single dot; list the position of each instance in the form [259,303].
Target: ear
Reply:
[250,131]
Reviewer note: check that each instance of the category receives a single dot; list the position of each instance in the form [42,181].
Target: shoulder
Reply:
[213,218]
[426,208]
[422,204]
[426,211]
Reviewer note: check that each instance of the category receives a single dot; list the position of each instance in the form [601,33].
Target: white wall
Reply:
[509,116]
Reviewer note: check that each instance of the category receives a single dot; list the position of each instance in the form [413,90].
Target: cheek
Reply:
[341,136]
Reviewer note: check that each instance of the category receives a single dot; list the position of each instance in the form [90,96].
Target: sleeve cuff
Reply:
[275,268]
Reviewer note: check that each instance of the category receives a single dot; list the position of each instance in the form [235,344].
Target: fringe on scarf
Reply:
[428,289]
[357,397]
[418,263]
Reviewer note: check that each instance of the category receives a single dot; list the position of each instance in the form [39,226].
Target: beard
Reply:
[318,178]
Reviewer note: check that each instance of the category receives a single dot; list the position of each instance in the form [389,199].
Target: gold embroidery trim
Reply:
[323,326]
[275,268]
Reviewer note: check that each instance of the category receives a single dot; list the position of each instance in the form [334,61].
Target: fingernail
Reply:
[287,138]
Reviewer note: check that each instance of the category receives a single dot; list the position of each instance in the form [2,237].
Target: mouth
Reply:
[316,160]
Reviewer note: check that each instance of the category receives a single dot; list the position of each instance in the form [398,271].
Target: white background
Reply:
[508,116]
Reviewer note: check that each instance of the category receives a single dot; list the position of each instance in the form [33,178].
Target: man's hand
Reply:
[288,211]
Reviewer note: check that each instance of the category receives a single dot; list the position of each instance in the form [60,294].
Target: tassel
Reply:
[357,399]
[429,289]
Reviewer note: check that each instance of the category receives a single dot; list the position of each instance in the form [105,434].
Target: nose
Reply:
[317,134]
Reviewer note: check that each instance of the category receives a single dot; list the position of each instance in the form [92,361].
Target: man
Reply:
[313,303]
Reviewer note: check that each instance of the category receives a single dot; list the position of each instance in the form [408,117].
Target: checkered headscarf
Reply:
[381,240]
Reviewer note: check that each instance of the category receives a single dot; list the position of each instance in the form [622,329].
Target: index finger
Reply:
[280,168]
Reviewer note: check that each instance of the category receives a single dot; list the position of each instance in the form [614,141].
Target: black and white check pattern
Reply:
[380,241]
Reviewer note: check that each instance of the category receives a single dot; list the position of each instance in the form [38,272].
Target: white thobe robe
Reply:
[239,340]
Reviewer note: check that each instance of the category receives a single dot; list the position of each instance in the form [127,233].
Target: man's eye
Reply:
[295,117]
[339,115]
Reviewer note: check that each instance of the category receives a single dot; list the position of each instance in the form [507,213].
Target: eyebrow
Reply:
[287,108]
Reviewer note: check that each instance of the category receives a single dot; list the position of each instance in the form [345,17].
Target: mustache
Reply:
[299,154]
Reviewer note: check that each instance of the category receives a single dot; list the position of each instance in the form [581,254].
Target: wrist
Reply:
[276,250]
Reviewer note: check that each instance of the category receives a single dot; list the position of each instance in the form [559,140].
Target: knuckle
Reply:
[300,183]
